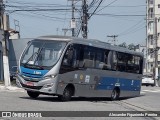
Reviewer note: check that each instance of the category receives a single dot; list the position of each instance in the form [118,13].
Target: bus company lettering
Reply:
[37,72]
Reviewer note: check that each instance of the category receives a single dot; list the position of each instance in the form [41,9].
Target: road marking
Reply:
[142,92]
[154,91]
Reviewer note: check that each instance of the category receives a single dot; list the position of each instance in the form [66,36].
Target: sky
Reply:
[125,18]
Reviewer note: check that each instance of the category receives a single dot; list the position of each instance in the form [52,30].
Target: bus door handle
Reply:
[80,82]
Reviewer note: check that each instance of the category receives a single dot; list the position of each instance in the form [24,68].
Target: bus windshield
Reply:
[42,54]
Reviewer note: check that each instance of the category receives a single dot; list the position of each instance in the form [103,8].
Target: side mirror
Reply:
[28,42]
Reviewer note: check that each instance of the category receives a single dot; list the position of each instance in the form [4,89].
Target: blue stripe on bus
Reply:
[33,72]
[109,83]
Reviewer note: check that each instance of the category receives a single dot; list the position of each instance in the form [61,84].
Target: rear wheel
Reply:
[114,95]
[67,94]
[33,94]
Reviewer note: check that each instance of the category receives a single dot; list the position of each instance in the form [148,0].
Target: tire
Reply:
[114,95]
[32,94]
[67,94]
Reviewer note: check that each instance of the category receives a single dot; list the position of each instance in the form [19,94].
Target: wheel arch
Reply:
[72,87]
[115,94]
[118,90]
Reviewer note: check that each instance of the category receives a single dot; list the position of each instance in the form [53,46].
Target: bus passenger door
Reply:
[68,68]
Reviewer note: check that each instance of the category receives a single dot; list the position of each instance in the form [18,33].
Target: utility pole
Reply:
[84,19]
[156,54]
[4,28]
[73,21]
[114,38]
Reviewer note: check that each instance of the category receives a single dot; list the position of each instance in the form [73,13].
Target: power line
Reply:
[106,5]
[136,30]
[95,9]
[29,3]
[39,10]
[131,28]
[121,15]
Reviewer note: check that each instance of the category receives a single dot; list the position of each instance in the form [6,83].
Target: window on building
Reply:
[150,1]
[158,5]
[150,26]
[150,12]
[152,55]
[150,40]
[151,67]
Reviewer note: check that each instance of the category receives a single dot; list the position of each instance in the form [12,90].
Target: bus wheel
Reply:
[67,94]
[32,94]
[114,94]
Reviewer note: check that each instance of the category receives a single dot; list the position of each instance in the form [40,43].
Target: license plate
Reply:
[30,83]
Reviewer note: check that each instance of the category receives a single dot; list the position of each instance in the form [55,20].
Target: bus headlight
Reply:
[49,77]
[48,85]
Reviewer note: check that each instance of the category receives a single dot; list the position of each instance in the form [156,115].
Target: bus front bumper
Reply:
[43,86]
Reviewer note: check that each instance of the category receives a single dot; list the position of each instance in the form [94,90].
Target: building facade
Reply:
[1,61]
[153,36]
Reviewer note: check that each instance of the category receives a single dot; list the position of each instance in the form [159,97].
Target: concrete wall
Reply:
[15,50]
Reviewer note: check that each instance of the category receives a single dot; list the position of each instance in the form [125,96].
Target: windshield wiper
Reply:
[36,53]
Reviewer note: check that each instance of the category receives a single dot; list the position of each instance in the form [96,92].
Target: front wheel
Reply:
[67,94]
[114,95]
[32,94]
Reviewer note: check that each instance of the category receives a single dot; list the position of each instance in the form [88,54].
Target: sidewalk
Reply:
[12,88]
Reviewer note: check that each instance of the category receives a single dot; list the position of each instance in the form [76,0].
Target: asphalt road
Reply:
[15,100]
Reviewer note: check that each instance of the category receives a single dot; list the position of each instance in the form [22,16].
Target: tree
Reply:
[131,46]
[123,45]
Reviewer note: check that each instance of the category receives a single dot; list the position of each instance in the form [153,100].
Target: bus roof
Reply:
[90,42]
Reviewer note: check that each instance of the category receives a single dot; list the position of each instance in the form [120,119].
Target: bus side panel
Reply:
[93,83]
[128,87]
[134,91]
[84,83]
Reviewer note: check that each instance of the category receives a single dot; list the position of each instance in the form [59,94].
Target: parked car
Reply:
[148,80]
[13,72]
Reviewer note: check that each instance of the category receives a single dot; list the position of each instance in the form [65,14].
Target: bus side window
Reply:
[107,60]
[141,66]
[130,63]
[68,57]
[99,60]
[114,61]
[80,56]
[89,56]
[71,58]
[121,63]
[137,64]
